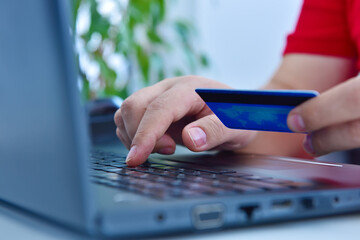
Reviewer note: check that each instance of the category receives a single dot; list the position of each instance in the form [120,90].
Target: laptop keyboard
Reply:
[165,179]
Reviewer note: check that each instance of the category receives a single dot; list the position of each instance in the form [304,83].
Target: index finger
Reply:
[160,114]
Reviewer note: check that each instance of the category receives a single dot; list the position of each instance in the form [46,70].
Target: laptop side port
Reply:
[208,216]
[308,203]
[249,210]
[345,200]
[282,205]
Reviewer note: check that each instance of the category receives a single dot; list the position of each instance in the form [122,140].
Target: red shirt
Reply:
[327,27]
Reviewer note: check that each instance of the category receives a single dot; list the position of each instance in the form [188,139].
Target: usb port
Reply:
[281,205]
[208,216]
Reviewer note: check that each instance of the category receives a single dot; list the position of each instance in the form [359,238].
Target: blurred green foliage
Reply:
[145,57]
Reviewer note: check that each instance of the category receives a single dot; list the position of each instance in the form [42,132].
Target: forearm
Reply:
[312,72]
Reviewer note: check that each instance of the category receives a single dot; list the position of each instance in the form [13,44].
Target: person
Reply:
[321,54]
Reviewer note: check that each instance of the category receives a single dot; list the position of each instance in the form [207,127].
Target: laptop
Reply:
[48,167]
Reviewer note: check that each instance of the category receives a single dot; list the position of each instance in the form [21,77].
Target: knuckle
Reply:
[126,105]
[158,104]
[130,105]
[188,80]
[216,128]
[118,118]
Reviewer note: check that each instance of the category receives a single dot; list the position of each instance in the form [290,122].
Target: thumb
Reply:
[208,132]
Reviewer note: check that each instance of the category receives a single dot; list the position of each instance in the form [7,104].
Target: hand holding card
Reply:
[263,110]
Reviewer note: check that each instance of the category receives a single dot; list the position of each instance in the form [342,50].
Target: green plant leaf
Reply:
[178,72]
[204,61]
[157,11]
[107,74]
[98,23]
[75,10]
[147,57]
[143,62]
[123,93]
[85,93]
[138,11]
[184,29]
[154,37]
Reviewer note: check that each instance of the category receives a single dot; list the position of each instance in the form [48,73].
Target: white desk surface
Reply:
[15,225]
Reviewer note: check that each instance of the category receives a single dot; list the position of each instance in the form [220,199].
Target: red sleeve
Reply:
[322,29]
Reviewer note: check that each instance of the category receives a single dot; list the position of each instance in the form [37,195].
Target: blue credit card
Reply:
[263,110]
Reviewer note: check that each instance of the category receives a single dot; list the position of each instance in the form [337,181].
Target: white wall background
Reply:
[243,38]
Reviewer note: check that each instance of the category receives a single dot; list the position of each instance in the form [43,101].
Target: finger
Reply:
[134,107]
[335,138]
[157,118]
[337,105]
[125,140]
[165,145]
[208,132]
[120,130]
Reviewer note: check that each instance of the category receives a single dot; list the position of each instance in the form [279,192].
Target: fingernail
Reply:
[198,136]
[296,123]
[308,145]
[131,154]
[166,150]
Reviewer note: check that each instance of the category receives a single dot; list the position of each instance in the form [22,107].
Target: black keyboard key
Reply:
[181,176]
[101,174]
[118,164]
[176,183]
[165,179]
[114,169]
[138,174]
[192,167]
